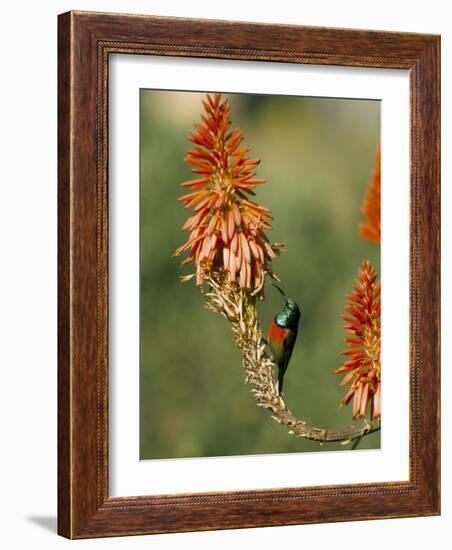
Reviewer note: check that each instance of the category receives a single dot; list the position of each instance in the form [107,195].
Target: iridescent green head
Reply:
[289,316]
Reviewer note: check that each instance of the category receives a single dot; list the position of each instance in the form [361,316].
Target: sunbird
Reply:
[282,335]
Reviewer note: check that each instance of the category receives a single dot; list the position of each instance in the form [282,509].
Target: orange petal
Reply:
[212,223]
[200,182]
[190,159]
[203,203]
[224,230]
[244,186]
[248,274]
[205,247]
[242,280]
[355,353]
[357,400]
[257,272]
[232,265]
[231,224]
[256,206]
[351,392]
[234,243]
[354,341]
[238,252]
[347,378]
[269,250]
[377,402]
[219,202]
[253,248]
[190,196]
[188,244]
[255,181]
[226,257]
[245,247]
[236,213]
[363,407]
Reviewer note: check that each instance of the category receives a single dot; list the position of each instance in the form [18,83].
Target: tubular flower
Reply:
[370,229]
[363,364]
[226,226]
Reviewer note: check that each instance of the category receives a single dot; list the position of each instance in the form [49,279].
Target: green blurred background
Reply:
[317,156]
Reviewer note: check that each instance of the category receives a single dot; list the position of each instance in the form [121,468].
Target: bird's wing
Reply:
[278,351]
[289,343]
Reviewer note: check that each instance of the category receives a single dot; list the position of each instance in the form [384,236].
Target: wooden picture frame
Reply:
[85,42]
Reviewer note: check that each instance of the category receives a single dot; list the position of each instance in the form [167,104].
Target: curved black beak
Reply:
[279,290]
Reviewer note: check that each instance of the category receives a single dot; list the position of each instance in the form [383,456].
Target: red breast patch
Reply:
[276,334]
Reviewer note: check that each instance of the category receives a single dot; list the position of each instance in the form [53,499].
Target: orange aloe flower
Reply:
[370,229]
[363,364]
[226,227]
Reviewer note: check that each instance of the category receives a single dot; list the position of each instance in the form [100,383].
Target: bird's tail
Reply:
[280,381]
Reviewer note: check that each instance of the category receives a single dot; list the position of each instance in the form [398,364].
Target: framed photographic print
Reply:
[248,275]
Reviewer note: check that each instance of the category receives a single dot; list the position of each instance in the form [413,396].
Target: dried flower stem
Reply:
[238,307]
